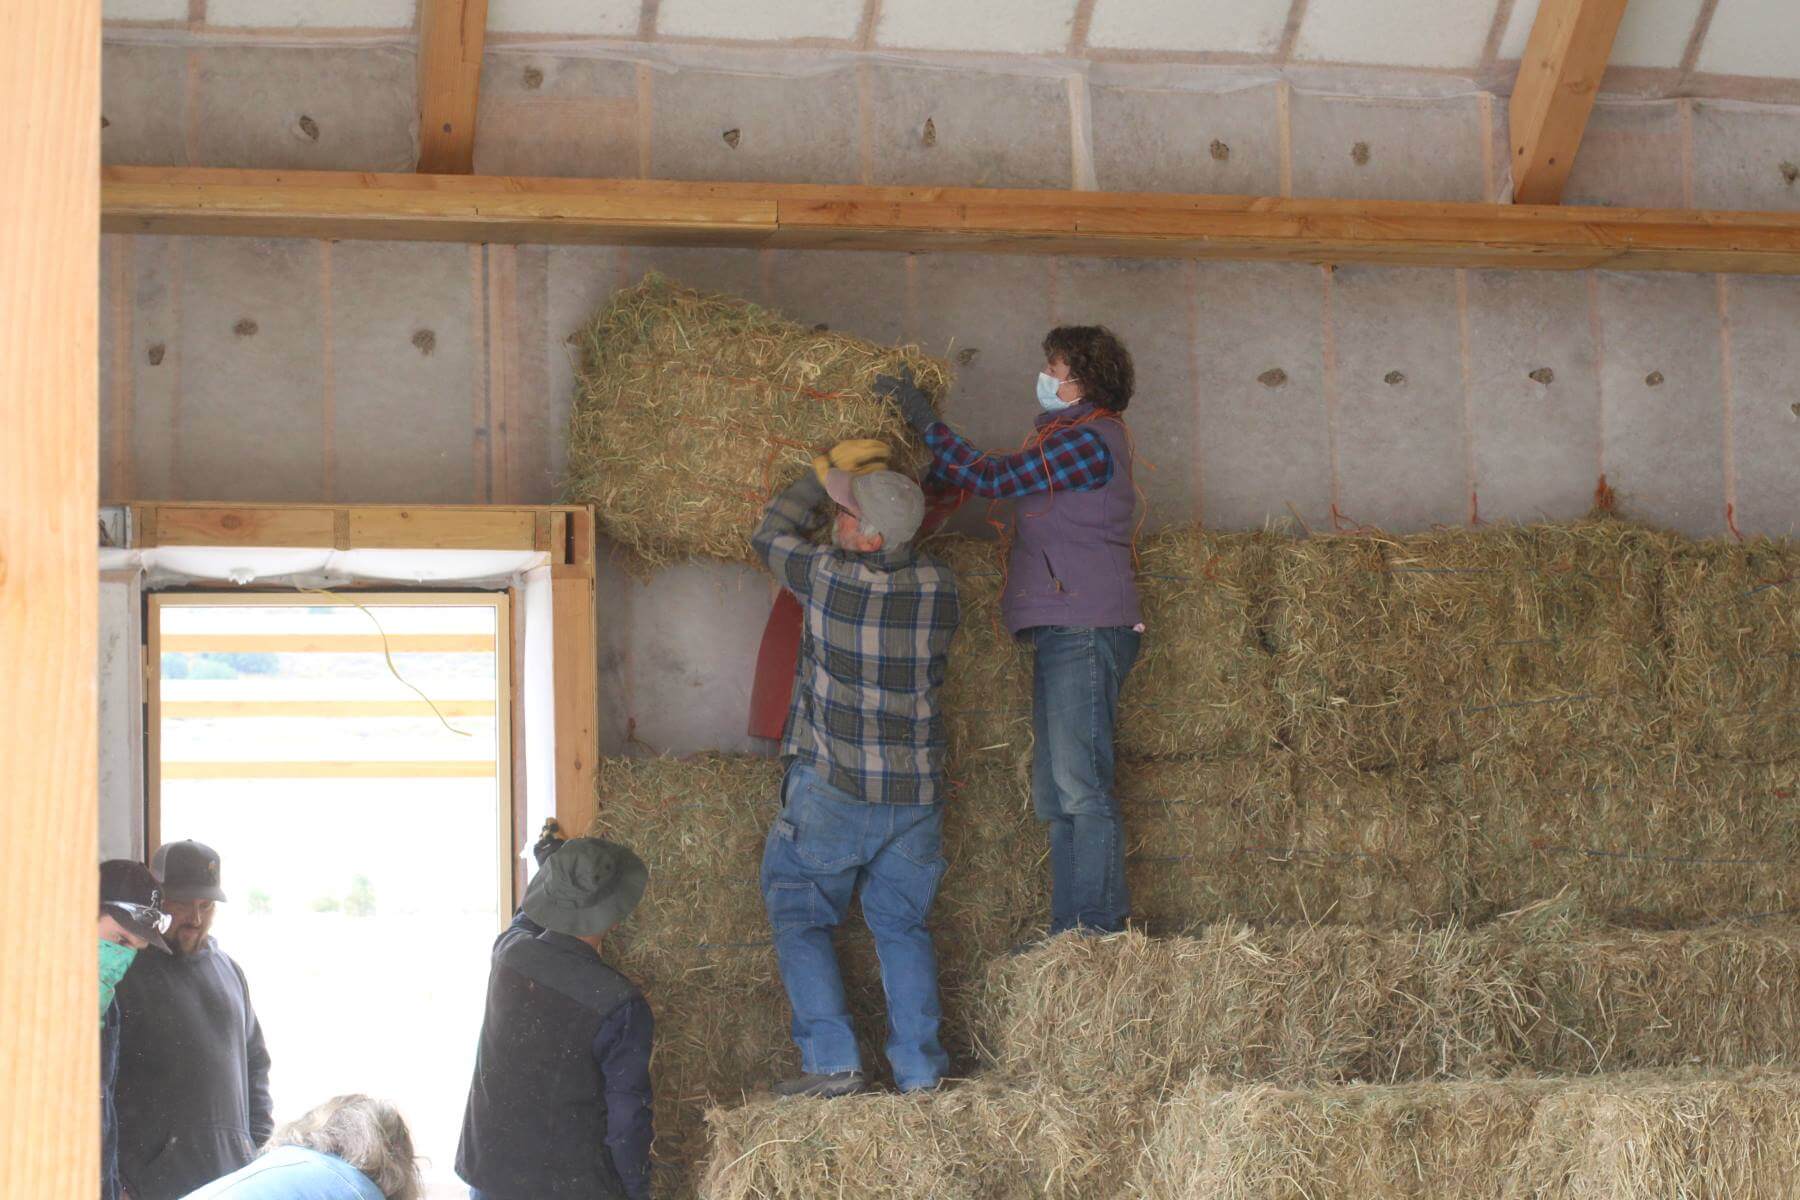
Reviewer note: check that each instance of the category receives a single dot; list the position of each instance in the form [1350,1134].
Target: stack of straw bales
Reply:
[693,409]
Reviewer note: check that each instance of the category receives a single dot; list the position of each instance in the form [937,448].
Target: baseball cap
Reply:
[188,870]
[129,894]
[886,502]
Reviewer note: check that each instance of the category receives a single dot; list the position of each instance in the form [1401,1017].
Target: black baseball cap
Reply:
[128,894]
[188,870]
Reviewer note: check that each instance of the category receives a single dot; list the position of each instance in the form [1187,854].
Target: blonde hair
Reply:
[367,1133]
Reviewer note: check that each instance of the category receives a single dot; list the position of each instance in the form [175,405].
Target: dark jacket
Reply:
[109,1132]
[1071,551]
[192,1093]
[560,1104]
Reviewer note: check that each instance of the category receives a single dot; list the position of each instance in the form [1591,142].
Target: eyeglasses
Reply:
[150,914]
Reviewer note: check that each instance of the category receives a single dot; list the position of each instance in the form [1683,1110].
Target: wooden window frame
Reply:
[564,532]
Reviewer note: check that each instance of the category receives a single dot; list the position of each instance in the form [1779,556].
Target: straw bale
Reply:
[1211,841]
[1406,652]
[1723,996]
[692,409]
[1624,1137]
[1650,841]
[1637,1137]
[1292,1004]
[1449,1141]
[1732,611]
[986,698]
[1303,1004]
[977,1141]
[1203,682]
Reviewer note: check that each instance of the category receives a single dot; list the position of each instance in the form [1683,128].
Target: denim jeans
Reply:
[1075,703]
[824,846]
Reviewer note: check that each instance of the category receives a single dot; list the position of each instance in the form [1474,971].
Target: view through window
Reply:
[348,762]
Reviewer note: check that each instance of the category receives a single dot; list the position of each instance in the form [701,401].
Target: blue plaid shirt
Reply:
[1071,459]
[872,654]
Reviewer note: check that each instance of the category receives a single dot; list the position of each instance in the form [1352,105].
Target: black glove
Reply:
[548,843]
[903,393]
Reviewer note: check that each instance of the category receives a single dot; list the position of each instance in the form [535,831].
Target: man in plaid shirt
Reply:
[862,799]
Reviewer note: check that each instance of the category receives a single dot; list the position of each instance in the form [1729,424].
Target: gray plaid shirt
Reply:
[872,654]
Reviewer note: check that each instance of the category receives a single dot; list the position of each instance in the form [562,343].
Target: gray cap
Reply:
[586,887]
[886,502]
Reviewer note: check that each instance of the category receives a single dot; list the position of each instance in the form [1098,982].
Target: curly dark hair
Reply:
[1097,359]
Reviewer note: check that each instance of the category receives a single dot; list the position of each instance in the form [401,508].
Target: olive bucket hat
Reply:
[586,887]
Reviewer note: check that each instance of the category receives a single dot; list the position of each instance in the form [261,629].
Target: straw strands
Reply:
[693,409]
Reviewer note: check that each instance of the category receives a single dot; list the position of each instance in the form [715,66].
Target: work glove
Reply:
[903,395]
[549,842]
[858,456]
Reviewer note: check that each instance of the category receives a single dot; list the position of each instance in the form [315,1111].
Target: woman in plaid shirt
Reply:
[1071,592]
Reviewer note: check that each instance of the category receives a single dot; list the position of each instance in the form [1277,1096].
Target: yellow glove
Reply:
[858,456]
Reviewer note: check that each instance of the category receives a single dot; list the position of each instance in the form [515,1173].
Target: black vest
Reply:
[535,1128]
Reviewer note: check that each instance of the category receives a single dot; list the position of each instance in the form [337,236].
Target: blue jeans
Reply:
[823,847]
[1075,703]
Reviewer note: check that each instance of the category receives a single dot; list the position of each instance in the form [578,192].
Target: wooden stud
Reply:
[451,36]
[1559,77]
[444,529]
[805,216]
[195,525]
[577,687]
[49,590]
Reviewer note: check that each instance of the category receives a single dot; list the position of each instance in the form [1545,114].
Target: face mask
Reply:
[1046,393]
[114,958]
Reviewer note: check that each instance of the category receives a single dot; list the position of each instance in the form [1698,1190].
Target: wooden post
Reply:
[49,596]
[451,36]
[577,689]
[1558,79]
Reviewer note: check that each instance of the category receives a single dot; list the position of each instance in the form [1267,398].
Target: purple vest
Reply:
[1071,551]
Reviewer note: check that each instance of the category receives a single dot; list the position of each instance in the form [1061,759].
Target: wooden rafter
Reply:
[1559,77]
[326,204]
[451,35]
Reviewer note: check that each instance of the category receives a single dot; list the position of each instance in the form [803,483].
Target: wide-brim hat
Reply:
[588,886]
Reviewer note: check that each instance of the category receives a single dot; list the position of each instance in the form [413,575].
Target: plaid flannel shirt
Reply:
[1073,459]
[872,654]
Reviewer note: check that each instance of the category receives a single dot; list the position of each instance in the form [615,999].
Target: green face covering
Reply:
[114,958]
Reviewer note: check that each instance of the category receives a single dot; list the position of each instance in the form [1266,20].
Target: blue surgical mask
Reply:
[114,959]
[1047,399]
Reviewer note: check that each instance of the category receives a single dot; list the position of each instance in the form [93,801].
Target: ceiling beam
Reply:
[478,208]
[1559,77]
[451,35]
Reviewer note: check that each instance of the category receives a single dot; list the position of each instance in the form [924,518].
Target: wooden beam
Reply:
[505,209]
[345,527]
[1559,77]
[49,590]
[451,35]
